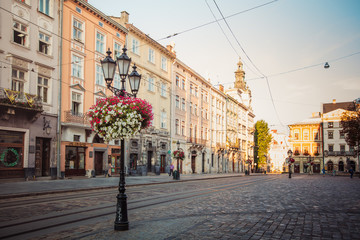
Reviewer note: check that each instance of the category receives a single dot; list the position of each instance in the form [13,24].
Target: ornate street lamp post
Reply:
[290,155]
[109,66]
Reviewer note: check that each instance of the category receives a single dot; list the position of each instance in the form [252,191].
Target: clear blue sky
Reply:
[279,37]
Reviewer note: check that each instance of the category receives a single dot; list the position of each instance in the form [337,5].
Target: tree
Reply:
[350,122]
[262,140]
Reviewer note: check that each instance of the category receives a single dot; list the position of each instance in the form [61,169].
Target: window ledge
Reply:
[22,3]
[43,54]
[17,44]
[44,14]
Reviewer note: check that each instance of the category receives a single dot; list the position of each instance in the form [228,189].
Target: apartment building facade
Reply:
[150,151]
[278,151]
[87,35]
[191,125]
[338,155]
[29,83]
[240,123]
[306,142]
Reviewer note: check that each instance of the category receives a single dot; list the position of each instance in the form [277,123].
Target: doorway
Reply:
[296,168]
[330,166]
[193,161]
[203,163]
[162,163]
[316,168]
[99,163]
[42,157]
[133,161]
[149,166]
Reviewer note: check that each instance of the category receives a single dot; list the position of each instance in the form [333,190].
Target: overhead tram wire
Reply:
[267,81]
[169,36]
[222,30]
[208,23]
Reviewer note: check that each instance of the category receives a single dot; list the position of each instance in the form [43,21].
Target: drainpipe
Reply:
[58,128]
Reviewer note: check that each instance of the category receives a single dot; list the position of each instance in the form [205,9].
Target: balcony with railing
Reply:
[220,145]
[197,141]
[11,101]
[340,153]
[79,118]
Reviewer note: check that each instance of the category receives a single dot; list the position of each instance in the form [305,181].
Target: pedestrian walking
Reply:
[323,171]
[334,172]
[109,170]
[351,171]
[171,169]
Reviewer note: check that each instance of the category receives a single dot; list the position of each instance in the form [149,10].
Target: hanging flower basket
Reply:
[119,117]
[180,155]
[291,160]
[249,161]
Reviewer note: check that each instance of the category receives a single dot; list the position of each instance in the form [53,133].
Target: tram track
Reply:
[71,195]
[21,227]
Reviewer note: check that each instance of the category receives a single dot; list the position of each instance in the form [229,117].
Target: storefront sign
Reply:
[80,144]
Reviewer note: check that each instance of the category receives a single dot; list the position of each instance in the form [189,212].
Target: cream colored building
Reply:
[240,123]
[150,150]
[338,155]
[218,130]
[191,124]
[29,87]
[278,151]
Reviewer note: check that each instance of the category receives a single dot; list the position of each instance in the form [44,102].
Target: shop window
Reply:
[11,149]
[75,159]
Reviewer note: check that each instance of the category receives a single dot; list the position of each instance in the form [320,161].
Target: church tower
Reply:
[240,77]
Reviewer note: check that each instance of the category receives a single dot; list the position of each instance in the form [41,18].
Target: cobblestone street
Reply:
[275,207]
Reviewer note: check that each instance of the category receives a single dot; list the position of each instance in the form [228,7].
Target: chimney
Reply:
[125,16]
[221,87]
[316,114]
[334,101]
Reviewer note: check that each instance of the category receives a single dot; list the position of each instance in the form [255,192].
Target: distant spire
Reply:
[240,76]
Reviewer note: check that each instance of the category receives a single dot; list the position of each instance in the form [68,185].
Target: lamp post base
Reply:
[121,226]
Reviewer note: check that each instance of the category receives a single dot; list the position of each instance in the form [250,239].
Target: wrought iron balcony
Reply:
[16,99]
[340,153]
[73,117]
[196,141]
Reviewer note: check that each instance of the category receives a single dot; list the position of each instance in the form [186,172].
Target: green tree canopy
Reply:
[350,122]
[262,139]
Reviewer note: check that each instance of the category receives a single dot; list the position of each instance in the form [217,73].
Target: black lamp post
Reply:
[290,155]
[178,162]
[109,66]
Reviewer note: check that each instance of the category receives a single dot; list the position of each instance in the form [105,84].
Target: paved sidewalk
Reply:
[44,185]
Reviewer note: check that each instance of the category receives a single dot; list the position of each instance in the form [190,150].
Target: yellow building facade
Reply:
[306,144]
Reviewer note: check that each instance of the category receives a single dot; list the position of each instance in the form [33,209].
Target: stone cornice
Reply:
[154,43]
[100,15]
[193,72]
